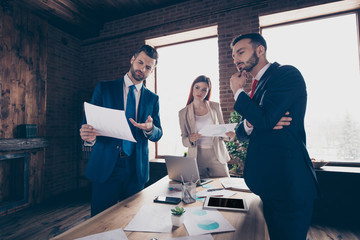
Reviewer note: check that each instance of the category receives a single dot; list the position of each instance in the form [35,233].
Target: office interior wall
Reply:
[74,66]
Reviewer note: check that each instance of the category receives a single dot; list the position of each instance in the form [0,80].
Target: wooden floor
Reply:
[56,216]
[48,219]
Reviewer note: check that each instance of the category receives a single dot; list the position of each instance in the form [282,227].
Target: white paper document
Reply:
[235,184]
[152,218]
[223,193]
[108,122]
[117,234]
[217,130]
[204,221]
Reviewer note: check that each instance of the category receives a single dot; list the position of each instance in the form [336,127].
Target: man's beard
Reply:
[251,63]
[135,76]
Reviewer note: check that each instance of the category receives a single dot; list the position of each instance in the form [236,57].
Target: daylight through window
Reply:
[326,51]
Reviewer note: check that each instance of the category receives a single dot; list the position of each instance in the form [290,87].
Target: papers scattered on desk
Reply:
[117,234]
[152,218]
[202,221]
[217,130]
[199,237]
[198,221]
[223,193]
[234,184]
[108,122]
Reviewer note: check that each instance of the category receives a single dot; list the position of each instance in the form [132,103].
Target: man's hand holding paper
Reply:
[108,122]
[88,133]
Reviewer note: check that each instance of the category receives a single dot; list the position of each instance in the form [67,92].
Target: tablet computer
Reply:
[222,203]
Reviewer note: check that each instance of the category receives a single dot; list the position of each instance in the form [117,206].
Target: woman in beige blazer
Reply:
[210,152]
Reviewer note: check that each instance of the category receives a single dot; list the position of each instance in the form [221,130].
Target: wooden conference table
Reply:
[248,225]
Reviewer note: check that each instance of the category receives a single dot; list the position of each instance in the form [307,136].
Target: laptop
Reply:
[185,167]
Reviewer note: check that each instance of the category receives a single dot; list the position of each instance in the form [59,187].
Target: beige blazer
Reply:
[187,125]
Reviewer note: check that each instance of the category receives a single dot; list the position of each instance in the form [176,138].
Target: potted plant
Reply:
[177,216]
[237,150]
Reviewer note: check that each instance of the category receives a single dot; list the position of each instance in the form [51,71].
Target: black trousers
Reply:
[122,184]
[288,220]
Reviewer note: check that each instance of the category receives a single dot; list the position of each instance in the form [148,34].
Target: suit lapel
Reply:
[142,104]
[260,88]
[117,95]
[212,113]
[191,118]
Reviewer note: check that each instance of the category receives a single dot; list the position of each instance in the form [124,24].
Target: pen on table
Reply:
[197,181]
[215,189]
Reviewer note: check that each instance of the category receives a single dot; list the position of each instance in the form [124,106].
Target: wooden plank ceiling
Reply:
[84,18]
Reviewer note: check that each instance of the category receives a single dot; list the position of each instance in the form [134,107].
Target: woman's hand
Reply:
[194,136]
[231,134]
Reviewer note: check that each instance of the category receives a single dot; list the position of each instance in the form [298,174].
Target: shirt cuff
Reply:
[148,133]
[89,144]
[247,129]
[238,93]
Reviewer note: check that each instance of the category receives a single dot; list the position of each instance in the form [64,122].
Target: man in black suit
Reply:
[278,167]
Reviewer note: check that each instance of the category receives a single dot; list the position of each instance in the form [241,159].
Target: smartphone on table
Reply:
[167,200]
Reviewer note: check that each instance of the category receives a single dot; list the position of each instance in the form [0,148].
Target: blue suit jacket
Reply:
[277,163]
[105,152]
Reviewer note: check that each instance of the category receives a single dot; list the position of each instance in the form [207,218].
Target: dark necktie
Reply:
[129,147]
[253,86]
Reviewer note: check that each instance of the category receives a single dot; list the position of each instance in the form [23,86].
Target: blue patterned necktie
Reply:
[129,147]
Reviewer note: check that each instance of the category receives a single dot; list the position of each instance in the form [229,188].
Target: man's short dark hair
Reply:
[255,39]
[150,51]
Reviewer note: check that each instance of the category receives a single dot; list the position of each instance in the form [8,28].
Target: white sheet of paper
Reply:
[108,122]
[224,193]
[217,130]
[235,184]
[117,234]
[200,221]
[199,237]
[152,218]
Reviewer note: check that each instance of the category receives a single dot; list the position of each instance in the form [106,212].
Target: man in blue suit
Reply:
[116,167]
[278,167]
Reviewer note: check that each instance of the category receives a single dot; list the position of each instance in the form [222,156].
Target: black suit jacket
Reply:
[277,163]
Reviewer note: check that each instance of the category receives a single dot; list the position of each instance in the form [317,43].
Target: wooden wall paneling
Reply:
[23,47]
[4,178]
[36,178]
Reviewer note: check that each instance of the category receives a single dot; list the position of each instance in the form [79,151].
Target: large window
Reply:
[182,58]
[178,66]
[326,51]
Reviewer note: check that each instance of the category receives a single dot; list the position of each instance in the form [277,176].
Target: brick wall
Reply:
[107,56]
[74,67]
[63,112]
